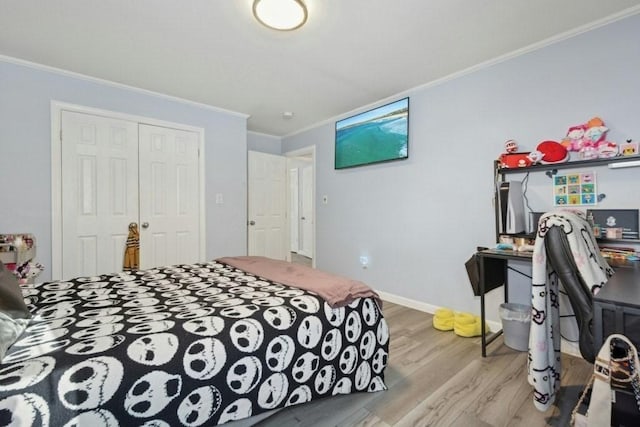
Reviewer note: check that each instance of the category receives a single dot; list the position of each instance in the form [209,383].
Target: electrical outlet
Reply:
[219,199]
[364,261]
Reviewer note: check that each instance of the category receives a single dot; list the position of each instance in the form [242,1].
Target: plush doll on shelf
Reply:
[511,146]
[511,158]
[588,139]
[629,148]
[594,135]
[595,131]
[551,152]
[608,149]
[574,141]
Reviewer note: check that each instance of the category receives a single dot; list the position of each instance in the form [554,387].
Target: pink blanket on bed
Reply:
[337,291]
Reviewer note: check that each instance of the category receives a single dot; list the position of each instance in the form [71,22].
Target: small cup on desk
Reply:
[614,233]
[521,241]
[506,239]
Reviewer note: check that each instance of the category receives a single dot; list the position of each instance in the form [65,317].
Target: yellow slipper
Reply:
[443,319]
[467,325]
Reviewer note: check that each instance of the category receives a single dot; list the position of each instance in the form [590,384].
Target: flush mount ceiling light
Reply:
[283,15]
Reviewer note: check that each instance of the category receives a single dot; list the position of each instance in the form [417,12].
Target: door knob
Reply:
[145,225]
[303,218]
[252,223]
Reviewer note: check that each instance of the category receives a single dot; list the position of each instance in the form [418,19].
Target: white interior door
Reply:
[294,225]
[169,196]
[99,164]
[306,208]
[267,207]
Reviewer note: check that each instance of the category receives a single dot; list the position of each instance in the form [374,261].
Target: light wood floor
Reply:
[300,259]
[439,379]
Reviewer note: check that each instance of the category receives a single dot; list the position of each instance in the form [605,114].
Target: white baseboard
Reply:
[423,306]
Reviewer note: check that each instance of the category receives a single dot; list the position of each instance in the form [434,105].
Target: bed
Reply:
[193,345]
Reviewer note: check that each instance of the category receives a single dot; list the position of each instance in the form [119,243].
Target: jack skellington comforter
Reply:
[190,345]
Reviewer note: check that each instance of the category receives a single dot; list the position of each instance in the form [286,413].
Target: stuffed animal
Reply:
[574,141]
[511,146]
[607,149]
[595,132]
[535,156]
[28,270]
[511,158]
[586,139]
[629,148]
[593,138]
[552,152]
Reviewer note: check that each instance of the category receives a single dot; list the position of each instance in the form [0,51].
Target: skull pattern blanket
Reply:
[193,345]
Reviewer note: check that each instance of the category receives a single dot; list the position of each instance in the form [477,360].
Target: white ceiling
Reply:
[351,53]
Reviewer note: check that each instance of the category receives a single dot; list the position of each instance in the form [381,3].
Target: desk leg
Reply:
[506,281]
[482,289]
[483,334]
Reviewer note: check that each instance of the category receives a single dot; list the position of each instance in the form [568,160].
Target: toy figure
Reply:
[511,146]
[574,141]
[588,152]
[552,152]
[511,159]
[535,156]
[132,249]
[607,149]
[629,148]
[594,135]
[28,270]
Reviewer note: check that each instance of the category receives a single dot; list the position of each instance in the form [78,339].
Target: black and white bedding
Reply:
[190,345]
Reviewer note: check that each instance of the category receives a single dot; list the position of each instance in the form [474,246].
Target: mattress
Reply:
[192,345]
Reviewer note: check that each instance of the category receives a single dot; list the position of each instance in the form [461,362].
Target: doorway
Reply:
[281,208]
[301,167]
[267,232]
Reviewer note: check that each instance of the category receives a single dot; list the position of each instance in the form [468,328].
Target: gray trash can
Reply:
[516,320]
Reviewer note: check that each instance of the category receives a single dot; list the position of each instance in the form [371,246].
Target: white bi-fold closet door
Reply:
[115,172]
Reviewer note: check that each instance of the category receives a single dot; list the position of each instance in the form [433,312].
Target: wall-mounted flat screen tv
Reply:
[378,135]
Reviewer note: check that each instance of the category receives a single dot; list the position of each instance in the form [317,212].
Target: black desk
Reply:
[505,256]
[616,306]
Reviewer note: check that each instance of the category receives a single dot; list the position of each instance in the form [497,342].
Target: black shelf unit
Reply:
[499,174]
[565,165]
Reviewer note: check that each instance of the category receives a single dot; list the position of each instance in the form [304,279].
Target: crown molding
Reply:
[66,73]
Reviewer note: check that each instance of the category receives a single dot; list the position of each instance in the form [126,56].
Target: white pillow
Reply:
[10,330]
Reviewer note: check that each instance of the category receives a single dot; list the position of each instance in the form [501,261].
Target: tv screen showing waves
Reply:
[378,135]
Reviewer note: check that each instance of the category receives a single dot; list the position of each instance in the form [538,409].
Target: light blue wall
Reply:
[420,219]
[264,143]
[25,152]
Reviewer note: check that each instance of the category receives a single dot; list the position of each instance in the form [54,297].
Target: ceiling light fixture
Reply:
[283,15]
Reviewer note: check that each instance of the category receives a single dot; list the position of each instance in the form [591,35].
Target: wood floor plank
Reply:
[474,388]
[436,378]
[412,389]
[364,418]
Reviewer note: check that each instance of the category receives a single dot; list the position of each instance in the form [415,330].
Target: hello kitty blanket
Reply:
[544,367]
[191,345]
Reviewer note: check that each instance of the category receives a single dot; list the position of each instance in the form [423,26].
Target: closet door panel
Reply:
[99,192]
[169,196]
